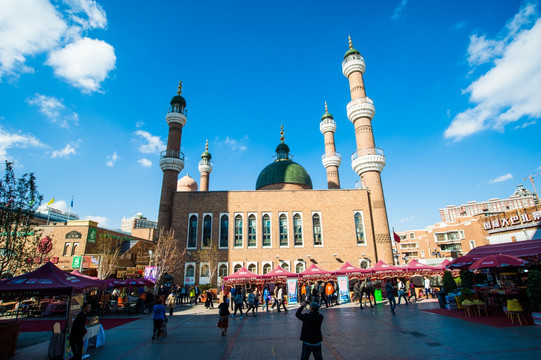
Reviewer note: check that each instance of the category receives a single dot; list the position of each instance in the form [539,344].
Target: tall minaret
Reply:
[205,168]
[171,159]
[331,159]
[368,161]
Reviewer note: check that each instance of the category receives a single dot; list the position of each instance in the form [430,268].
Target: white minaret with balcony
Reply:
[367,161]
[331,159]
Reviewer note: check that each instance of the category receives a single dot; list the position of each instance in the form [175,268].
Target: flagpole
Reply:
[48,214]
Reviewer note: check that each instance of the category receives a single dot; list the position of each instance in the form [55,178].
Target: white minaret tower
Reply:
[331,159]
[368,161]
[205,168]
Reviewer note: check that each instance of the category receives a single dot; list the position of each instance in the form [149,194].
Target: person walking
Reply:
[251,304]
[329,291]
[266,298]
[311,336]
[411,286]
[233,293]
[389,289]
[78,331]
[402,292]
[171,303]
[223,322]
[192,296]
[238,304]
[322,296]
[159,318]
[427,287]
[357,291]
[280,299]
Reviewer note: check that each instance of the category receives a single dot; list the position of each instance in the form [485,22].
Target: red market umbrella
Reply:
[279,272]
[348,269]
[496,261]
[464,262]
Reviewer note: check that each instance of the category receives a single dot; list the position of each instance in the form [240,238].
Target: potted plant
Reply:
[534,294]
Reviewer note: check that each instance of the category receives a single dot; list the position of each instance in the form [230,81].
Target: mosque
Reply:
[284,221]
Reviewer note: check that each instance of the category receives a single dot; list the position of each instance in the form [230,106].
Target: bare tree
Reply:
[109,251]
[168,256]
[209,255]
[19,199]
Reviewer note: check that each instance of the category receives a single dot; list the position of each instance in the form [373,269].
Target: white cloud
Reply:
[65,152]
[525,125]
[58,205]
[139,124]
[399,9]
[28,27]
[153,143]
[234,144]
[145,162]
[501,178]
[53,108]
[411,218]
[16,140]
[510,90]
[89,8]
[111,159]
[84,63]
[101,220]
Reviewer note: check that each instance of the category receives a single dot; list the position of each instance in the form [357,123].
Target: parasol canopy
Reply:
[49,279]
[382,267]
[348,269]
[279,272]
[113,283]
[464,262]
[496,261]
[415,265]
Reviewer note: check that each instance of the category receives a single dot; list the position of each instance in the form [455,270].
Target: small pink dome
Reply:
[186,183]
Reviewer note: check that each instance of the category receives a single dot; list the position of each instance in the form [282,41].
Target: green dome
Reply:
[206,154]
[282,147]
[283,171]
[326,115]
[351,51]
[177,99]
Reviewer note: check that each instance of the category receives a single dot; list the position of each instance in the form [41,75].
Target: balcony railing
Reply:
[330,155]
[176,109]
[367,151]
[172,154]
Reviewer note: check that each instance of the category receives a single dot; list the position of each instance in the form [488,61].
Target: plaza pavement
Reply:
[348,332]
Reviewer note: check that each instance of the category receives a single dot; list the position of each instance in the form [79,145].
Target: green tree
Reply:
[19,199]
[448,281]
[466,277]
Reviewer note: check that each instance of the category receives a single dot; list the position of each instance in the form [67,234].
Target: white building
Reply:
[137,222]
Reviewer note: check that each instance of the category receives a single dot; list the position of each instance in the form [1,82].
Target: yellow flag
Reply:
[50,202]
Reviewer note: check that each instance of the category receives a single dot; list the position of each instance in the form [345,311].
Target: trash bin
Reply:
[377,295]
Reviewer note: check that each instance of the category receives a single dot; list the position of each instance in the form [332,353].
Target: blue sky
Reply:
[85,86]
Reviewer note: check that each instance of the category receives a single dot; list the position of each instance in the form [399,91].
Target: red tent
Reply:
[381,268]
[518,249]
[241,276]
[50,280]
[279,272]
[314,271]
[78,273]
[348,269]
[464,262]
[415,265]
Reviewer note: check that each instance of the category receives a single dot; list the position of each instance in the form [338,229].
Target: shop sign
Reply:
[92,234]
[189,280]
[513,222]
[91,262]
[76,263]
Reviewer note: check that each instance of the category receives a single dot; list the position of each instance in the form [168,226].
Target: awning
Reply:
[348,269]
[279,272]
[519,249]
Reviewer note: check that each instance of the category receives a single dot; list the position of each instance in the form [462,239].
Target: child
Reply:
[223,322]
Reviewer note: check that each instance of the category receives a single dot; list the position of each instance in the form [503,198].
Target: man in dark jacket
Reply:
[311,336]
[78,332]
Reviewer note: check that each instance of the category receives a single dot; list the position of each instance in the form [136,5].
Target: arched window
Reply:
[359,229]
[222,270]
[74,248]
[284,265]
[283,230]
[300,267]
[190,271]
[252,268]
[207,230]
[192,234]
[365,264]
[237,267]
[266,230]
[224,231]
[238,231]
[297,229]
[266,268]
[251,231]
[205,270]
[66,249]
[316,225]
